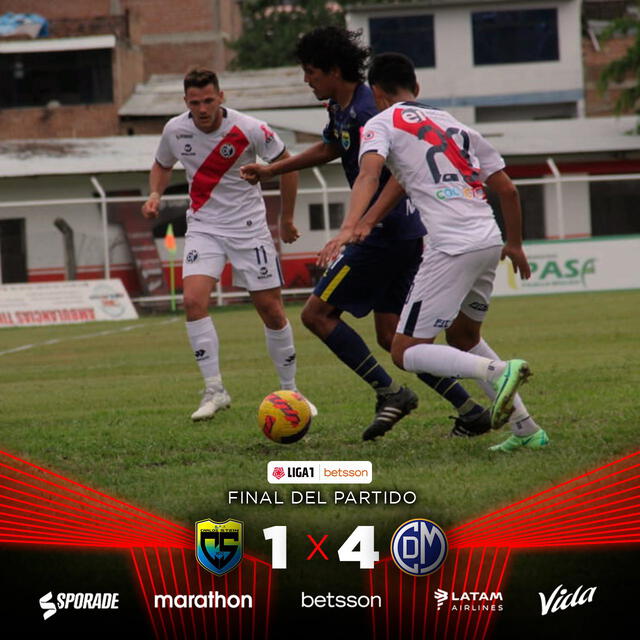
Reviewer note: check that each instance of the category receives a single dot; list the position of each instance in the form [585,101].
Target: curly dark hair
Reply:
[328,47]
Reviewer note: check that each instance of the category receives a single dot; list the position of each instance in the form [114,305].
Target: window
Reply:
[501,37]
[532,203]
[411,35]
[547,111]
[68,77]
[614,207]
[316,216]
[13,251]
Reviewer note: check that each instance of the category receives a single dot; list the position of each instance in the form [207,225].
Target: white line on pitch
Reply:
[130,327]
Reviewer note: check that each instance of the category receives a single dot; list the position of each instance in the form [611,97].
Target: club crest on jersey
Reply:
[227,151]
[219,545]
[345,138]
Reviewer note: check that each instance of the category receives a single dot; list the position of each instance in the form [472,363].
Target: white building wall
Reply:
[457,81]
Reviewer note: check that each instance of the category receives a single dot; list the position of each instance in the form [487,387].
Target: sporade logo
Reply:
[77,601]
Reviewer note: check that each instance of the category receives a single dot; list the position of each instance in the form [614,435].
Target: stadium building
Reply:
[516,72]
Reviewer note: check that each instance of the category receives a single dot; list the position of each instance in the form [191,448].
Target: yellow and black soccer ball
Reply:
[284,416]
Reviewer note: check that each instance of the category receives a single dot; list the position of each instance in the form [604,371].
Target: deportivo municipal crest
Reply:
[219,545]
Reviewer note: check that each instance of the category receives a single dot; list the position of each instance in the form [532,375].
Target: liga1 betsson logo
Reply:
[51,605]
[319,472]
[469,600]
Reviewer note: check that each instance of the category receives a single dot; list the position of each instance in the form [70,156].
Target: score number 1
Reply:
[358,547]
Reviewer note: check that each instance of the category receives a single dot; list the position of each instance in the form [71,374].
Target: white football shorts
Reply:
[254,261]
[446,285]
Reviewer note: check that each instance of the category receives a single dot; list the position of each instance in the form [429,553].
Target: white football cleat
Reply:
[312,407]
[214,399]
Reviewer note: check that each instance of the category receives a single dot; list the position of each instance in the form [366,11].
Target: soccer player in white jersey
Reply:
[225,221]
[441,164]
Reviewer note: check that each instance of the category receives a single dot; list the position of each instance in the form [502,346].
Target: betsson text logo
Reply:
[470,600]
[562,599]
[319,472]
[77,601]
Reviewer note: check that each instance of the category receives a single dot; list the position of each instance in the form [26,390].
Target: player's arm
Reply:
[288,193]
[159,178]
[385,202]
[317,154]
[500,184]
[363,190]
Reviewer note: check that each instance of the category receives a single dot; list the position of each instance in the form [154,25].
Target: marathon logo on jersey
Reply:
[264,273]
[201,354]
[479,306]
[180,136]
[192,256]
[188,150]
[268,134]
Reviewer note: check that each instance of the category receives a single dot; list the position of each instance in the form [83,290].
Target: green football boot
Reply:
[536,440]
[514,375]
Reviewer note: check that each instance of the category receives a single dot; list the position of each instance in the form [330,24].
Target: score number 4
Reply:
[358,547]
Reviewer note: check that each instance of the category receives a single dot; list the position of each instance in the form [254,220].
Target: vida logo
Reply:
[563,599]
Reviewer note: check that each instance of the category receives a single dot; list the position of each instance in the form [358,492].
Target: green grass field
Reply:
[112,411]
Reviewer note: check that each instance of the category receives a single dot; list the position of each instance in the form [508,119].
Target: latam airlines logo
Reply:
[469,600]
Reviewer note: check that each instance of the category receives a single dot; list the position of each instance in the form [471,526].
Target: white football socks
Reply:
[449,362]
[283,353]
[521,423]
[204,342]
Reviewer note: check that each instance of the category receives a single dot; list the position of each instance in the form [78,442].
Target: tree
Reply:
[271,30]
[625,67]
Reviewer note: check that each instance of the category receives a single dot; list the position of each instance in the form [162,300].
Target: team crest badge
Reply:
[219,545]
[227,151]
[346,140]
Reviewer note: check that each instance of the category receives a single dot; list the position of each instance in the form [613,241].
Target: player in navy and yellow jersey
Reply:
[376,274]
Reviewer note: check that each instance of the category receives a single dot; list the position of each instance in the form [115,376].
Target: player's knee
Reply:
[397,354]
[385,340]
[312,320]
[195,306]
[463,340]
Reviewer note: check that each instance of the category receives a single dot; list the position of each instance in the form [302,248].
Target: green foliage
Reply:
[625,67]
[271,30]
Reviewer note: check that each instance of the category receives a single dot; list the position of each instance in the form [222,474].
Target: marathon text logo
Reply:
[51,605]
[319,472]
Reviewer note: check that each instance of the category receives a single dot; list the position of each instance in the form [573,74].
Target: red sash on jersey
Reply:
[217,163]
[432,134]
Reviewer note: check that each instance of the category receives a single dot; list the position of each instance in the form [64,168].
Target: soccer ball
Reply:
[284,416]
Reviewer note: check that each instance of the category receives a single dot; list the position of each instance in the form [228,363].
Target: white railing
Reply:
[323,190]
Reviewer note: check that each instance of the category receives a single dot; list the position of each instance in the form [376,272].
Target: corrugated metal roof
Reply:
[276,88]
[135,153]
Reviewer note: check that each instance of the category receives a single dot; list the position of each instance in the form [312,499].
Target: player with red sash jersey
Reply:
[225,221]
[442,166]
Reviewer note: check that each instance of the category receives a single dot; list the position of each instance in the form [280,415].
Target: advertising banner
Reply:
[574,265]
[67,302]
